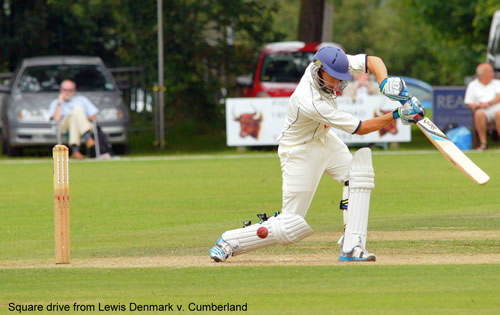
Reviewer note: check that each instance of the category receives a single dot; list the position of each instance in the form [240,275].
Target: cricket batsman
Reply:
[308,148]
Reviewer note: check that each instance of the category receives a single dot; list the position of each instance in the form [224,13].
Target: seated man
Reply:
[363,84]
[483,98]
[74,114]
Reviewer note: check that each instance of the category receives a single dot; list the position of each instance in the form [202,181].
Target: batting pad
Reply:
[283,229]
[361,183]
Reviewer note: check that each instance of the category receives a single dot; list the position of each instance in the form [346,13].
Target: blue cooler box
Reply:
[461,137]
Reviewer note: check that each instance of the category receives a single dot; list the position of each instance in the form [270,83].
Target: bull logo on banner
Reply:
[391,128]
[250,123]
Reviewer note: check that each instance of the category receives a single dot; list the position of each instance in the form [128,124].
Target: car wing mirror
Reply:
[245,80]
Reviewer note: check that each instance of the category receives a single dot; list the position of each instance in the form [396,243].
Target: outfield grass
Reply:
[179,206]
[283,290]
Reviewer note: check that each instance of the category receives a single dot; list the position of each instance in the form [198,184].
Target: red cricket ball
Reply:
[262,232]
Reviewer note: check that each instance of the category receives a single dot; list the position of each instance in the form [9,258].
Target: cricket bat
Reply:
[451,152]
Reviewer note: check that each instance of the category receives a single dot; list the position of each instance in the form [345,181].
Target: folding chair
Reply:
[96,139]
[57,127]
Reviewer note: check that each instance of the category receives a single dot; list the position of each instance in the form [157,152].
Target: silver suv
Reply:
[25,101]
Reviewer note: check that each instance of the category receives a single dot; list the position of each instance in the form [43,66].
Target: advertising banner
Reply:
[449,107]
[258,121]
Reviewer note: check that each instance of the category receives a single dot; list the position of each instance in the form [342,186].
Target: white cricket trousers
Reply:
[77,124]
[303,166]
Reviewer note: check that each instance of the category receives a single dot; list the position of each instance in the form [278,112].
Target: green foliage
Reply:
[205,43]
[437,41]
[201,57]
[286,19]
[34,28]
[460,28]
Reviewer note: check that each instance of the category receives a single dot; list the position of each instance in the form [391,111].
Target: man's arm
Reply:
[377,67]
[57,113]
[474,106]
[494,101]
[394,87]
[374,124]
[411,112]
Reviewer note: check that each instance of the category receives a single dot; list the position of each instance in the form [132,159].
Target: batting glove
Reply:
[395,89]
[411,112]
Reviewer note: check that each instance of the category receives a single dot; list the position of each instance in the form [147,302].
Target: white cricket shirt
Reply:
[311,114]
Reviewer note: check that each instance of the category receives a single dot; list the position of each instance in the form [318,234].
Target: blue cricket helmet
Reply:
[333,61]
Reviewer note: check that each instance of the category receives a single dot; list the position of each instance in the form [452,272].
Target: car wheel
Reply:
[120,149]
[10,150]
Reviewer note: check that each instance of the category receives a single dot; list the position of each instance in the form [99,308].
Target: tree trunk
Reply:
[311,20]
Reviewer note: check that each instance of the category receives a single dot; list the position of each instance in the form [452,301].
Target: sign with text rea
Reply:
[449,107]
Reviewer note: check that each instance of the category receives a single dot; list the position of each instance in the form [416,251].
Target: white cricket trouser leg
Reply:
[340,159]
[303,166]
[361,182]
[302,169]
[77,124]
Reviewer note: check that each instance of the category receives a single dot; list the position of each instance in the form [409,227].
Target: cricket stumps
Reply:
[60,154]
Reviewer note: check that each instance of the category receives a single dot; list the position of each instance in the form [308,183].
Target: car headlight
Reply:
[110,114]
[33,115]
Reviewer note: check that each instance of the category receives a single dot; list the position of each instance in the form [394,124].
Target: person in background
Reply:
[75,113]
[361,86]
[483,98]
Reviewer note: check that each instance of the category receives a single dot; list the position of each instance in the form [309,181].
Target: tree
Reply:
[440,42]
[311,20]
[48,27]
[461,28]
[123,32]
[196,65]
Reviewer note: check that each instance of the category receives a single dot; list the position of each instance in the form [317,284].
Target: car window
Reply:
[495,49]
[47,78]
[419,92]
[285,66]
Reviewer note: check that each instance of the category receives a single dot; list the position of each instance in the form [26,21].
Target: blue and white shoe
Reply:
[357,254]
[221,251]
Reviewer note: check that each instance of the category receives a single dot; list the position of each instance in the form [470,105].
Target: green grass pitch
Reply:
[128,210]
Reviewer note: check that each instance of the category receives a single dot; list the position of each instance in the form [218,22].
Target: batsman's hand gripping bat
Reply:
[451,152]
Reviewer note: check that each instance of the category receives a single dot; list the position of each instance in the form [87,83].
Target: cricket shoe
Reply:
[357,254]
[221,251]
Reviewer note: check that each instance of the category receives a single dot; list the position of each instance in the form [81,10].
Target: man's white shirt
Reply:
[478,93]
[311,114]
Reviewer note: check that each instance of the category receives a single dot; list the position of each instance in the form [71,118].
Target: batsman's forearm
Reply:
[374,124]
[377,67]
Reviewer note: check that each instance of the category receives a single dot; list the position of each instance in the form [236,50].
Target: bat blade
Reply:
[451,152]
